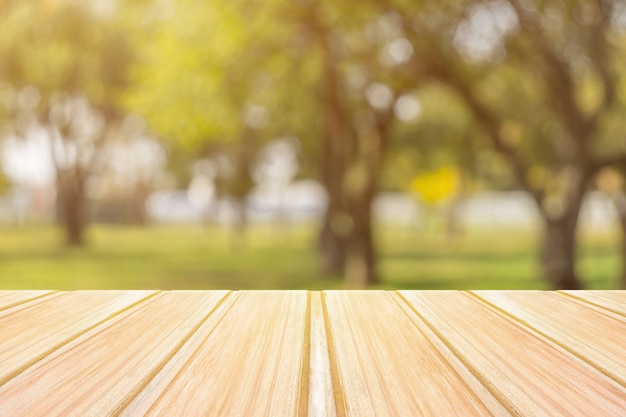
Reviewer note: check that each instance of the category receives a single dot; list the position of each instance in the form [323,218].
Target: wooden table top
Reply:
[298,353]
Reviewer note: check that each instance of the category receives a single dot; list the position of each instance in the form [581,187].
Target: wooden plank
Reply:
[251,365]
[285,353]
[321,394]
[97,373]
[154,388]
[530,373]
[386,366]
[30,334]
[614,301]
[9,299]
[597,338]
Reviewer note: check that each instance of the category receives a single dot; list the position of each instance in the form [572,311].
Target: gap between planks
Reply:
[483,297]
[599,301]
[444,343]
[69,339]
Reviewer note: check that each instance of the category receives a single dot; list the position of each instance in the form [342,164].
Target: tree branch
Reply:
[599,55]
[491,126]
[559,81]
[433,64]
[613,160]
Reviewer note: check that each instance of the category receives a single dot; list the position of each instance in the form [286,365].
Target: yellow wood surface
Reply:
[10,299]
[610,300]
[528,373]
[586,332]
[317,354]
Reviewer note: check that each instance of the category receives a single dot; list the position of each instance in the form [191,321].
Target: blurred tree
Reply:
[128,170]
[65,63]
[444,134]
[224,75]
[541,78]
[611,181]
[619,199]
[205,84]
[360,87]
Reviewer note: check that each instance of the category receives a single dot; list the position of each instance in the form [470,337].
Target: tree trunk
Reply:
[619,200]
[336,150]
[138,213]
[360,269]
[558,248]
[346,241]
[350,162]
[336,224]
[331,247]
[558,253]
[240,225]
[454,227]
[622,279]
[242,184]
[71,195]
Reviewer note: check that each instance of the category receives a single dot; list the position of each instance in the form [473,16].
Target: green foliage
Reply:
[177,83]
[202,67]
[62,48]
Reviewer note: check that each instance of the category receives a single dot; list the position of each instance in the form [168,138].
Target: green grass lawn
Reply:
[186,257]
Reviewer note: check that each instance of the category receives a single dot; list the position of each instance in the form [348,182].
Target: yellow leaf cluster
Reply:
[436,186]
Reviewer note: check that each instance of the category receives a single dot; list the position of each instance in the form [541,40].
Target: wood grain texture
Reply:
[321,401]
[528,372]
[250,365]
[154,386]
[10,299]
[597,338]
[312,354]
[614,301]
[93,375]
[29,334]
[387,367]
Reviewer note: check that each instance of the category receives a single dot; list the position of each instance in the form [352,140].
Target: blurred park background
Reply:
[292,144]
